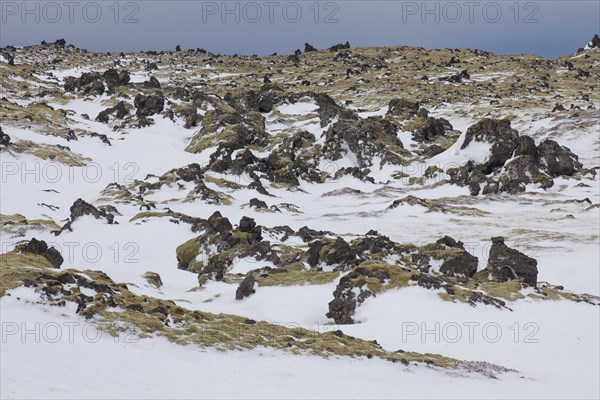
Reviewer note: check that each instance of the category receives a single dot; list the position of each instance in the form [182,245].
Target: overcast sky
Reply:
[548,28]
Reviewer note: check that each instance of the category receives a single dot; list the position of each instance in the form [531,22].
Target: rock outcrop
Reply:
[505,264]
[39,247]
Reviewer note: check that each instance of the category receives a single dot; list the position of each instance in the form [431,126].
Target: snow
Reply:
[475,151]
[563,363]
[93,364]
[560,357]
[299,108]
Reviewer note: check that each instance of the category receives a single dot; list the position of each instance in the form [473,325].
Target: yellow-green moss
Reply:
[187,253]
[297,278]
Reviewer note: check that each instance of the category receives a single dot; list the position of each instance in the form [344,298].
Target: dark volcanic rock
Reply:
[522,171]
[114,79]
[95,83]
[402,108]
[247,224]
[457,78]
[90,83]
[152,83]
[556,159]
[307,234]
[505,264]
[340,253]
[529,164]
[258,204]
[340,46]
[41,248]
[119,110]
[328,109]
[433,151]
[294,59]
[217,223]
[499,134]
[595,43]
[345,300]
[149,105]
[525,146]
[463,265]
[308,48]
[4,138]
[246,288]
[190,173]
[151,67]
[261,101]
[154,279]
[432,128]
[81,208]
[366,138]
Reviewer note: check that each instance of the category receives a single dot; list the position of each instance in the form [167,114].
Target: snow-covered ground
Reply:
[552,344]
[67,357]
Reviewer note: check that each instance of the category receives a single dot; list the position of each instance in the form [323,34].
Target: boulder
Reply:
[154,279]
[313,252]
[246,224]
[152,83]
[4,138]
[521,171]
[499,134]
[557,160]
[328,109]
[367,138]
[506,264]
[151,67]
[307,234]
[95,83]
[294,59]
[114,78]
[402,108]
[432,128]
[262,101]
[464,265]
[340,46]
[340,253]
[81,208]
[41,248]
[433,150]
[216,223]
[258,204]
[245,288]
[119,111]
[526,146]
[150,104]
[190,173]
[308,48]
[351,291]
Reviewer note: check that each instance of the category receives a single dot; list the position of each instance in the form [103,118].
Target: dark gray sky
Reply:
[548,28]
